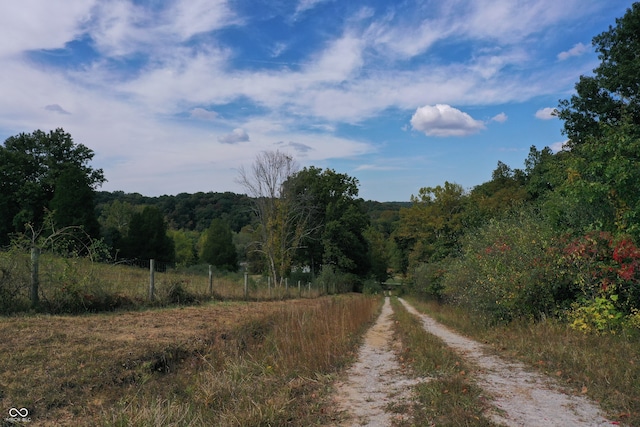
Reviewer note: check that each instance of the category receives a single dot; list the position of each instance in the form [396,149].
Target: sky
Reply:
[175,96]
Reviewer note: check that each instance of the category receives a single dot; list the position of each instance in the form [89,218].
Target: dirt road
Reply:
[520,396]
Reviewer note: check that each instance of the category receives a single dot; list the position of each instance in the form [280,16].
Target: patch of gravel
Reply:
[523,398]
[376,380]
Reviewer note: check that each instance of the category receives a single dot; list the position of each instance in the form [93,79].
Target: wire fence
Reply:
[77,284]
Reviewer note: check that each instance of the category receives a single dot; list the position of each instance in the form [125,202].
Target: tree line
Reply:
[559,235]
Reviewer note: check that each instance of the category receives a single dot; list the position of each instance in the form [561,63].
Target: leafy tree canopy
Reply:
[218,248]
[31,170]
[614,90]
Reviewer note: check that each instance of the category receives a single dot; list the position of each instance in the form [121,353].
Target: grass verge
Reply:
[604,367]
[449,396]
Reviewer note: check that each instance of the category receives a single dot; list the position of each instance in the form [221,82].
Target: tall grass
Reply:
[604,367]
[273,369]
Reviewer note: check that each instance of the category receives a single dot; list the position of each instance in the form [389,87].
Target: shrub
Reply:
[606,271]
[506,269]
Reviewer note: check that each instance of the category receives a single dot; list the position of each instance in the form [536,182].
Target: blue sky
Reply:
[175,96]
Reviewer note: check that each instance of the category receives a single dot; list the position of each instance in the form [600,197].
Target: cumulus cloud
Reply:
[56,109]
[444,120]
[202,114]
[576,50]
[236,136]
[500,118]
[545,113]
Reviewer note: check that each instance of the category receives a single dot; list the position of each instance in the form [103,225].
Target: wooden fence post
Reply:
[246,285]
[152,284]
[210,281]
[35,280]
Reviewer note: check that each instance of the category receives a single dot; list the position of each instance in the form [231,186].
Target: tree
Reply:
[73,202]
[337,221]
[282,220]
[30,168]
[429,230]
[614,90]
[147,237]
[218,248]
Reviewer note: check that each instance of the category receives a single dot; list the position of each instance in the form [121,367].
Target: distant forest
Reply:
[195,211]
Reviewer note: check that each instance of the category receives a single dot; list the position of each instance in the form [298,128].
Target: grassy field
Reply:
[604,367]
[224,363]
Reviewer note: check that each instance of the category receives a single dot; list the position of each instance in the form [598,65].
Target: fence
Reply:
[77,284]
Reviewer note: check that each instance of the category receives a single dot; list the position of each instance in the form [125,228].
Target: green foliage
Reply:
[613,91]
[606,270]
[73,203]
[218,248]
[33,169]
[598,315]
[337,221]
[185,243]
[14,281]
[428,279]
[506,269]
[147,237]
[428,231]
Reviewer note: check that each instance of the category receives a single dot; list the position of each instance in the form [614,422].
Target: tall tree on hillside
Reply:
[282,219]
[30,168]
[218,248]
[613,92]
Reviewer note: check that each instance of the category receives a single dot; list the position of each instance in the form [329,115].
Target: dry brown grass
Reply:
[231,363]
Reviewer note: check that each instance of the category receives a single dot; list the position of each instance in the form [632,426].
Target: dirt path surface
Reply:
[376,380]
[522,398]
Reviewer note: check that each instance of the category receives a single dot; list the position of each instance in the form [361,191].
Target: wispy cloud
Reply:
[577,50]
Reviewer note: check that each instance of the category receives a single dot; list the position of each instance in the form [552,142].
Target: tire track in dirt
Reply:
[376,380]
[523,398]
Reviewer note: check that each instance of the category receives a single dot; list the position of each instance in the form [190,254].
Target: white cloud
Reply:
[41,24]
[500,118]
[236,136]
[444,120]
[545,113]
[576,50]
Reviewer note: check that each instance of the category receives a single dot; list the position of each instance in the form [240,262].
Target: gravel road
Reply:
[521,397]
